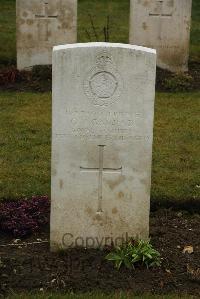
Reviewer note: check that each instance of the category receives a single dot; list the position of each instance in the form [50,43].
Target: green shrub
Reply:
[135,252]
[42,72]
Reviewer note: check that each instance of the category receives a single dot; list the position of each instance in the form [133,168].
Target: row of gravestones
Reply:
[160,24]
[103,111]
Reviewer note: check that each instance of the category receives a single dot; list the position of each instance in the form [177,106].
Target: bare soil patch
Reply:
[32,267]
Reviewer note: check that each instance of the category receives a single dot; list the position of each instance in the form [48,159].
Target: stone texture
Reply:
[42,24]
[165,26]
[103,107]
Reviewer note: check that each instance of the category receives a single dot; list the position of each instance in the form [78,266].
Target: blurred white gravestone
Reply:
[165,26]
[103,108]
[42,24]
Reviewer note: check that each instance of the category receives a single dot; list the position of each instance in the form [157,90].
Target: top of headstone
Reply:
[105,45]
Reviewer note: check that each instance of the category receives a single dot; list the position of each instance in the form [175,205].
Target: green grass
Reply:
[7,32]
[117,10]
[176,159]
[117,295]
[195,31]
[25,144]
[25,129]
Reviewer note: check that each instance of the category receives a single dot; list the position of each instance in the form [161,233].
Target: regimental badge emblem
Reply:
[103,84]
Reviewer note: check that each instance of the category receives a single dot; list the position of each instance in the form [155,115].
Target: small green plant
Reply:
[135,252]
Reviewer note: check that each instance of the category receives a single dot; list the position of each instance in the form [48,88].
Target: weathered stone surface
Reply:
[165,26]
[103,107]
[42,24]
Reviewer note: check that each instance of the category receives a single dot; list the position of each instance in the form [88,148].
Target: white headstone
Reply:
[103,108]
[42,24]
[165,26]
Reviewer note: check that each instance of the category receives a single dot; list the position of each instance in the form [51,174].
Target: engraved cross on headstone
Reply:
[45,17]
[101,170]
[160,13]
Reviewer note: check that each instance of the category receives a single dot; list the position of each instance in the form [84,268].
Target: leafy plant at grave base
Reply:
[42,72]
[9,76]
[12,75]
[179,82]
[36,75]
[133,253]
[24,217]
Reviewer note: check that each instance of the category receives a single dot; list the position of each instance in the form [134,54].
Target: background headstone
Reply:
[103,108]
[163,25]
[42,24]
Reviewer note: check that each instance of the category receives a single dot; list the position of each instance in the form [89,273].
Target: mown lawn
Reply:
[117,10]
[7,32]
[25,130]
